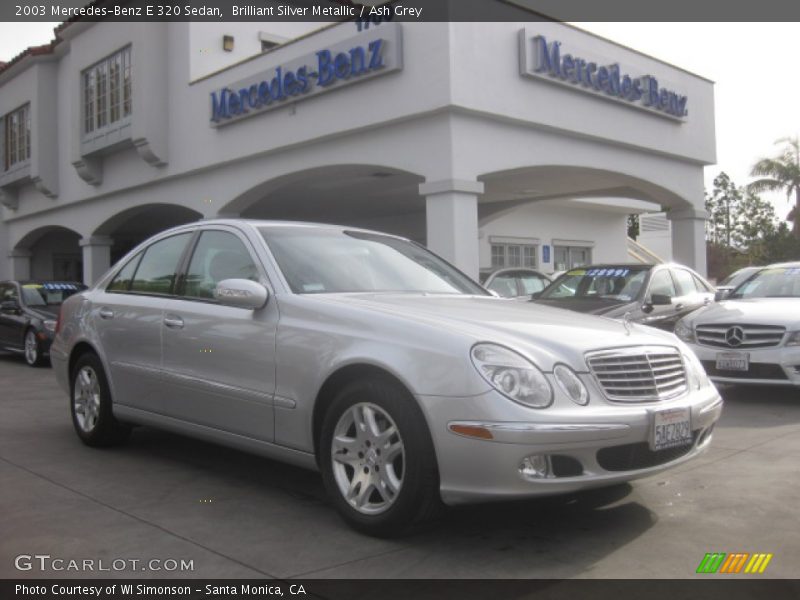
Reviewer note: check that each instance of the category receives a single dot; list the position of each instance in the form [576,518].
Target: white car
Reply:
[754,335]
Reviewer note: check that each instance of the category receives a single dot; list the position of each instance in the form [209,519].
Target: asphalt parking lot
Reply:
[236,515]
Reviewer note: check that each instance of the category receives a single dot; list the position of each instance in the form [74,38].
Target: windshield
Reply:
[738,277]
[613,284]
[49,293]
[322,261]
[777,282]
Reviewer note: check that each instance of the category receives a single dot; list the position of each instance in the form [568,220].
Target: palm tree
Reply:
[781,173]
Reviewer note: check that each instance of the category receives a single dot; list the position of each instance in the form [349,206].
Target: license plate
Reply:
[733,361]
[671,428]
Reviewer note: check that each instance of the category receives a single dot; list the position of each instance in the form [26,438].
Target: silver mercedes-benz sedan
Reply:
[753,336]
[369,358]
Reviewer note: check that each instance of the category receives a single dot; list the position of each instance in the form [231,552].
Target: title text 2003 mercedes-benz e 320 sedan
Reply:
[367,357]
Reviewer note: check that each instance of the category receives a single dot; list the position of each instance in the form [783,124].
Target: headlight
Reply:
[684,332]
[793,339]
[50,326]
[571,384]
[695,372]
[512,375]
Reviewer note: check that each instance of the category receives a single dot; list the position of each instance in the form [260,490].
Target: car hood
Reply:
[43,312]
[592,306]
[548,335]
[756,311]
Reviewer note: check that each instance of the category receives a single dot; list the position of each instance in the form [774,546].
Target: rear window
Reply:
[49,293]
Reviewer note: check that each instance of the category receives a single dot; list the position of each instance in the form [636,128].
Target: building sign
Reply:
[368,54]
[546,59]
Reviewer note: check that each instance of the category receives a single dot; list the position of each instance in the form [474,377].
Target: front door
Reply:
[219,361]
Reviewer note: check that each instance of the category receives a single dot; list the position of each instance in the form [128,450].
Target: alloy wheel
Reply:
[31,348]
[86,399]
[368,458]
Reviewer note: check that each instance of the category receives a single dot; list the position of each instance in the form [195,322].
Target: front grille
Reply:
[639,374]
[631,457]
[733,335]
[754,371]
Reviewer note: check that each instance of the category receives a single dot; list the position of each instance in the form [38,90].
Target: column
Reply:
[451,212]
[96,257]
[19,262]
[688,238]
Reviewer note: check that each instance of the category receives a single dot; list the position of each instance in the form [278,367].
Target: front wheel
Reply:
[377,459]
[90,403]
[33,349]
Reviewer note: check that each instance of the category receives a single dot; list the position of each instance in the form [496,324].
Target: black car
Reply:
[28,314]
[656,295]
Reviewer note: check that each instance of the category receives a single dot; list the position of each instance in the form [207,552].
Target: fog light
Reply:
[536,466]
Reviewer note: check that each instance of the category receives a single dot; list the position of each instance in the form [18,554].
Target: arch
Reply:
[50,252]
[133,225]
[364,195]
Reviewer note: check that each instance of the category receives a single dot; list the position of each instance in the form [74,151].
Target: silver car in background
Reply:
[369,358]
[753,336]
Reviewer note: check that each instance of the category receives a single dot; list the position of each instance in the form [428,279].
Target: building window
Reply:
[568,257]
[17,136]
[513,255]
[107,91]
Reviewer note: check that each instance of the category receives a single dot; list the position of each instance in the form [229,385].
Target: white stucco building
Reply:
[493,143]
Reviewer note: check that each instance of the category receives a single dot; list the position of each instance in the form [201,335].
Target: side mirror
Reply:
[241,293]
[721,294]
[9,307]
[660,300]
[535,295]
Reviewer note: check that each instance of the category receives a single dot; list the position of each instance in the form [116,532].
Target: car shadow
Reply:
[570,533]
[759,406]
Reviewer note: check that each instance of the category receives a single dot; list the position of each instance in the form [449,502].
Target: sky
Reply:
[757,91]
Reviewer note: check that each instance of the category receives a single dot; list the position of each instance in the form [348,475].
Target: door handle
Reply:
[173,322]
[707,301]
[678,306]
[106,313]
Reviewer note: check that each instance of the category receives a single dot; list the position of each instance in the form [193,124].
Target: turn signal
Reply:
[474,431]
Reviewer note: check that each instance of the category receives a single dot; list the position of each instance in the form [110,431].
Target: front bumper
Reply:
[779,365]
[586,446]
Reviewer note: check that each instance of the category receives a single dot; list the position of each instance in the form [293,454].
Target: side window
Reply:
[685,281]
[532,284]
[123,279]
[701,285]
[662,284]
[505,285]
[156,271]
[218,255]
[8,291]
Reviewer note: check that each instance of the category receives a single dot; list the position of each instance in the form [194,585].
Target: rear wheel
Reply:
[33,349]
[90,403]
[377,459]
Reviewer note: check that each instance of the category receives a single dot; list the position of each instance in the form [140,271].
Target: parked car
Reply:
[655,295]
[28,311]
[732,281]
[516,282]
[753,336]
[369,358]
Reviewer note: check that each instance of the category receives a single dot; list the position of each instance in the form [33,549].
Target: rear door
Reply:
[219,361]
[128,318]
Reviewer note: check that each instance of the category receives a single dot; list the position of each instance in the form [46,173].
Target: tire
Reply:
[33,349]
[90,405]
[377,459]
